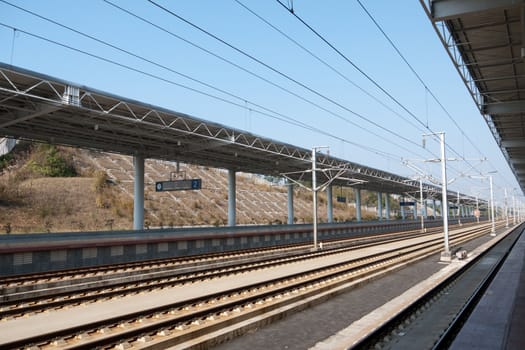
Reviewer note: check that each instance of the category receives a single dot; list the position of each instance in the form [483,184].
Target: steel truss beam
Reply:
[41,108]
[447,9]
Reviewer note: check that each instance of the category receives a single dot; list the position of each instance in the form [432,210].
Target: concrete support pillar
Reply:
[290,204]
[329,204]
[231,198]
[387,207]
[379,206]
[357,204]
[138,193]
[416,213]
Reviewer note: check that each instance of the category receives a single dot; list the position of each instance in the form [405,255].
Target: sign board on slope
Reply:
[178,185]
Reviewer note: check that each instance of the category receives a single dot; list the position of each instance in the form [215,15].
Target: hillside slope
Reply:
[97,194]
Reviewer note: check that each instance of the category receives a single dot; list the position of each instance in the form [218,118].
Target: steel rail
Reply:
[78,294]
[380,260]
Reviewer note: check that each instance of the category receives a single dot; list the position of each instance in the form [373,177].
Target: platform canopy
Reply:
[486,41]
[45,109]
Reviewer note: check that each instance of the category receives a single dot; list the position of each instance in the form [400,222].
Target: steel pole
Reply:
[444,201]
[314,194]
[493,229]
[477,208]
[421,200]
[506,210]
[138,193]
[513,210]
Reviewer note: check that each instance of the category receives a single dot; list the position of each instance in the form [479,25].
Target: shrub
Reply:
[47,161]
[5,161]
[100,181]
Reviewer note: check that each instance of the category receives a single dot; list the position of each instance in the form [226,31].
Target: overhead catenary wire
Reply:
[425,126]
[283,118]
[326,64]
[429,91]
[268,81]
[416,74]
[367,76]
[295,81]
[224,100]
[294,121]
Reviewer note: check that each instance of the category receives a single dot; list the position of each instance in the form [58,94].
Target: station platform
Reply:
[498,321]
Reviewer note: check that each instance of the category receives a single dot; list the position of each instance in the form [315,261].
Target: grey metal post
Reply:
[357,204]
[434,208]
[138,193]
[506,210]
[290,204]
[423,207]
[477,210]
[231,198]
[314,194]
[513,210]
[379,206]
[402,209]
[444,200]
[329,204]
[387,206]
[493,228]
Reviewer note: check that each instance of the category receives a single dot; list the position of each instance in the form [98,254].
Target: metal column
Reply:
[329,204]
[231,197]
[379,206]
[357,204]
[434,208]
[387,207]
[138,193]
[402,208]
[290,204]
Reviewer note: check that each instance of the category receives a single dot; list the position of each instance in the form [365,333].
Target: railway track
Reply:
[100,272]
[433,321]
[43,296]
[192,321]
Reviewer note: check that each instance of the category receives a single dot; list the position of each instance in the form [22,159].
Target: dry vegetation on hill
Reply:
[47,188]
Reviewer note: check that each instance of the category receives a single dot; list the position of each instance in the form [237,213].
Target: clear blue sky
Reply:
[343,23]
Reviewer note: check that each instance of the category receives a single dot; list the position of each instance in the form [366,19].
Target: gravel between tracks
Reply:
[304,329]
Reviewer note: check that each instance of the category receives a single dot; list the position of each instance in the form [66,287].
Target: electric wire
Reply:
[367,76]
[294,121]
[164,67]
[295,81]
[427,89]
[270,82]
[330,67]
[285,119]
[326,64]
[434,97]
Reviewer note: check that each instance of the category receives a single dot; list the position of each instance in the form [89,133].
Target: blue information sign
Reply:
[178,185]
